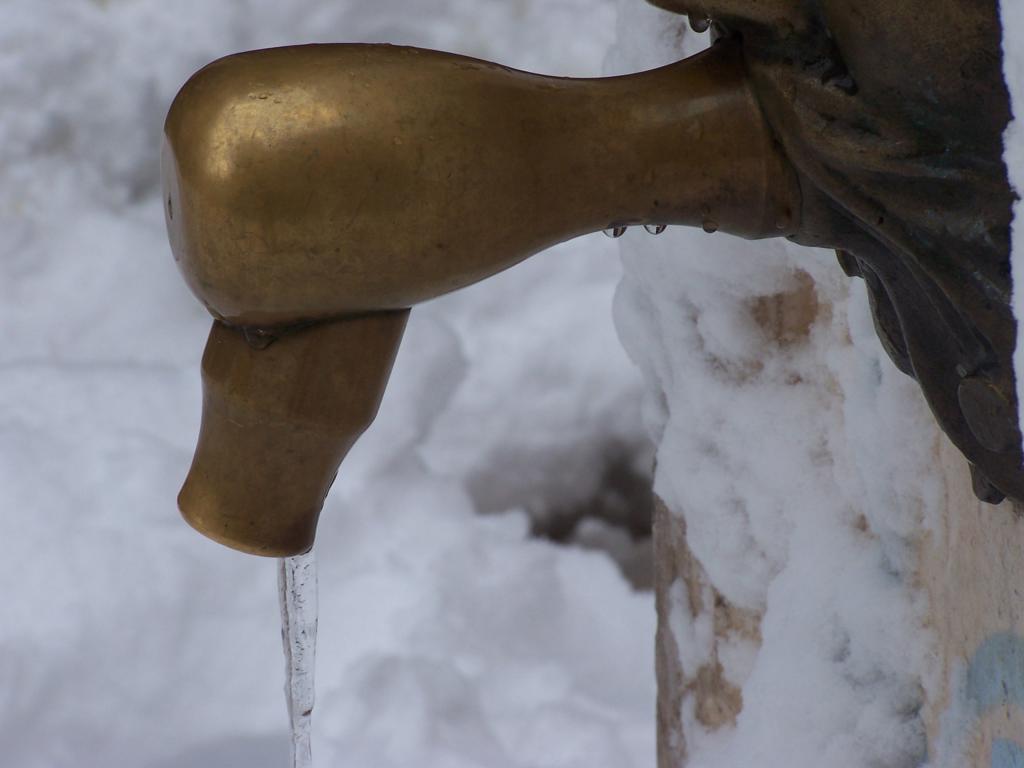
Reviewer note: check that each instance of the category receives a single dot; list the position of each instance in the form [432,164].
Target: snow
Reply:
[447,637]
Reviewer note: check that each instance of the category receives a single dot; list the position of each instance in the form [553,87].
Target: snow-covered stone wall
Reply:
[829,591]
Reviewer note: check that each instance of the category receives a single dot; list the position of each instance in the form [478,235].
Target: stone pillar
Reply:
[963,582]
[681,584]
[807,497]
[972,573]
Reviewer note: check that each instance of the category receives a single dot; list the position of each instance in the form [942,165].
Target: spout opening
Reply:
[277,423]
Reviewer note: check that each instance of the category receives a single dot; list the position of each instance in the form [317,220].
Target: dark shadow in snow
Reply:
[594,496]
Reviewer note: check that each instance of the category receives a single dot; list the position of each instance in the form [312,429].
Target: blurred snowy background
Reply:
[482,556]
[448,637]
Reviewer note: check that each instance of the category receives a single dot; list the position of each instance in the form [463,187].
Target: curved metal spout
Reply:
[310,182]
[315,193]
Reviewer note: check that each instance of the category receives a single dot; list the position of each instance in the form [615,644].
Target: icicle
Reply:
[297,589]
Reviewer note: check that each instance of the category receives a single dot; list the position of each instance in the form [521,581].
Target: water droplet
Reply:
[709,225]
[655,229]
[615,231]
[699,24]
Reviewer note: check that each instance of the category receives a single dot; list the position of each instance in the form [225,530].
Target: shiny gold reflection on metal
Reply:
[331,187]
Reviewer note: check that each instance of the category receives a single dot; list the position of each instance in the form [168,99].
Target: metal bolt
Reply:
[989,414]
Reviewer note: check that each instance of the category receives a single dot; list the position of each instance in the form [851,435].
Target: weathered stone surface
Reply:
[970,570]
[716,700]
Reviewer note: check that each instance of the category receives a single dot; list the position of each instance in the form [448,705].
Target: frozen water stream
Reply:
[297,587]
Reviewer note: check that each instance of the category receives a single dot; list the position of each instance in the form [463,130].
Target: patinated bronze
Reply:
[313,182]
[277,421]
[315,193]
[892,113]
[310,188]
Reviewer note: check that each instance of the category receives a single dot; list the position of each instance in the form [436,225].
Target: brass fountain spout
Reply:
[315,193]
